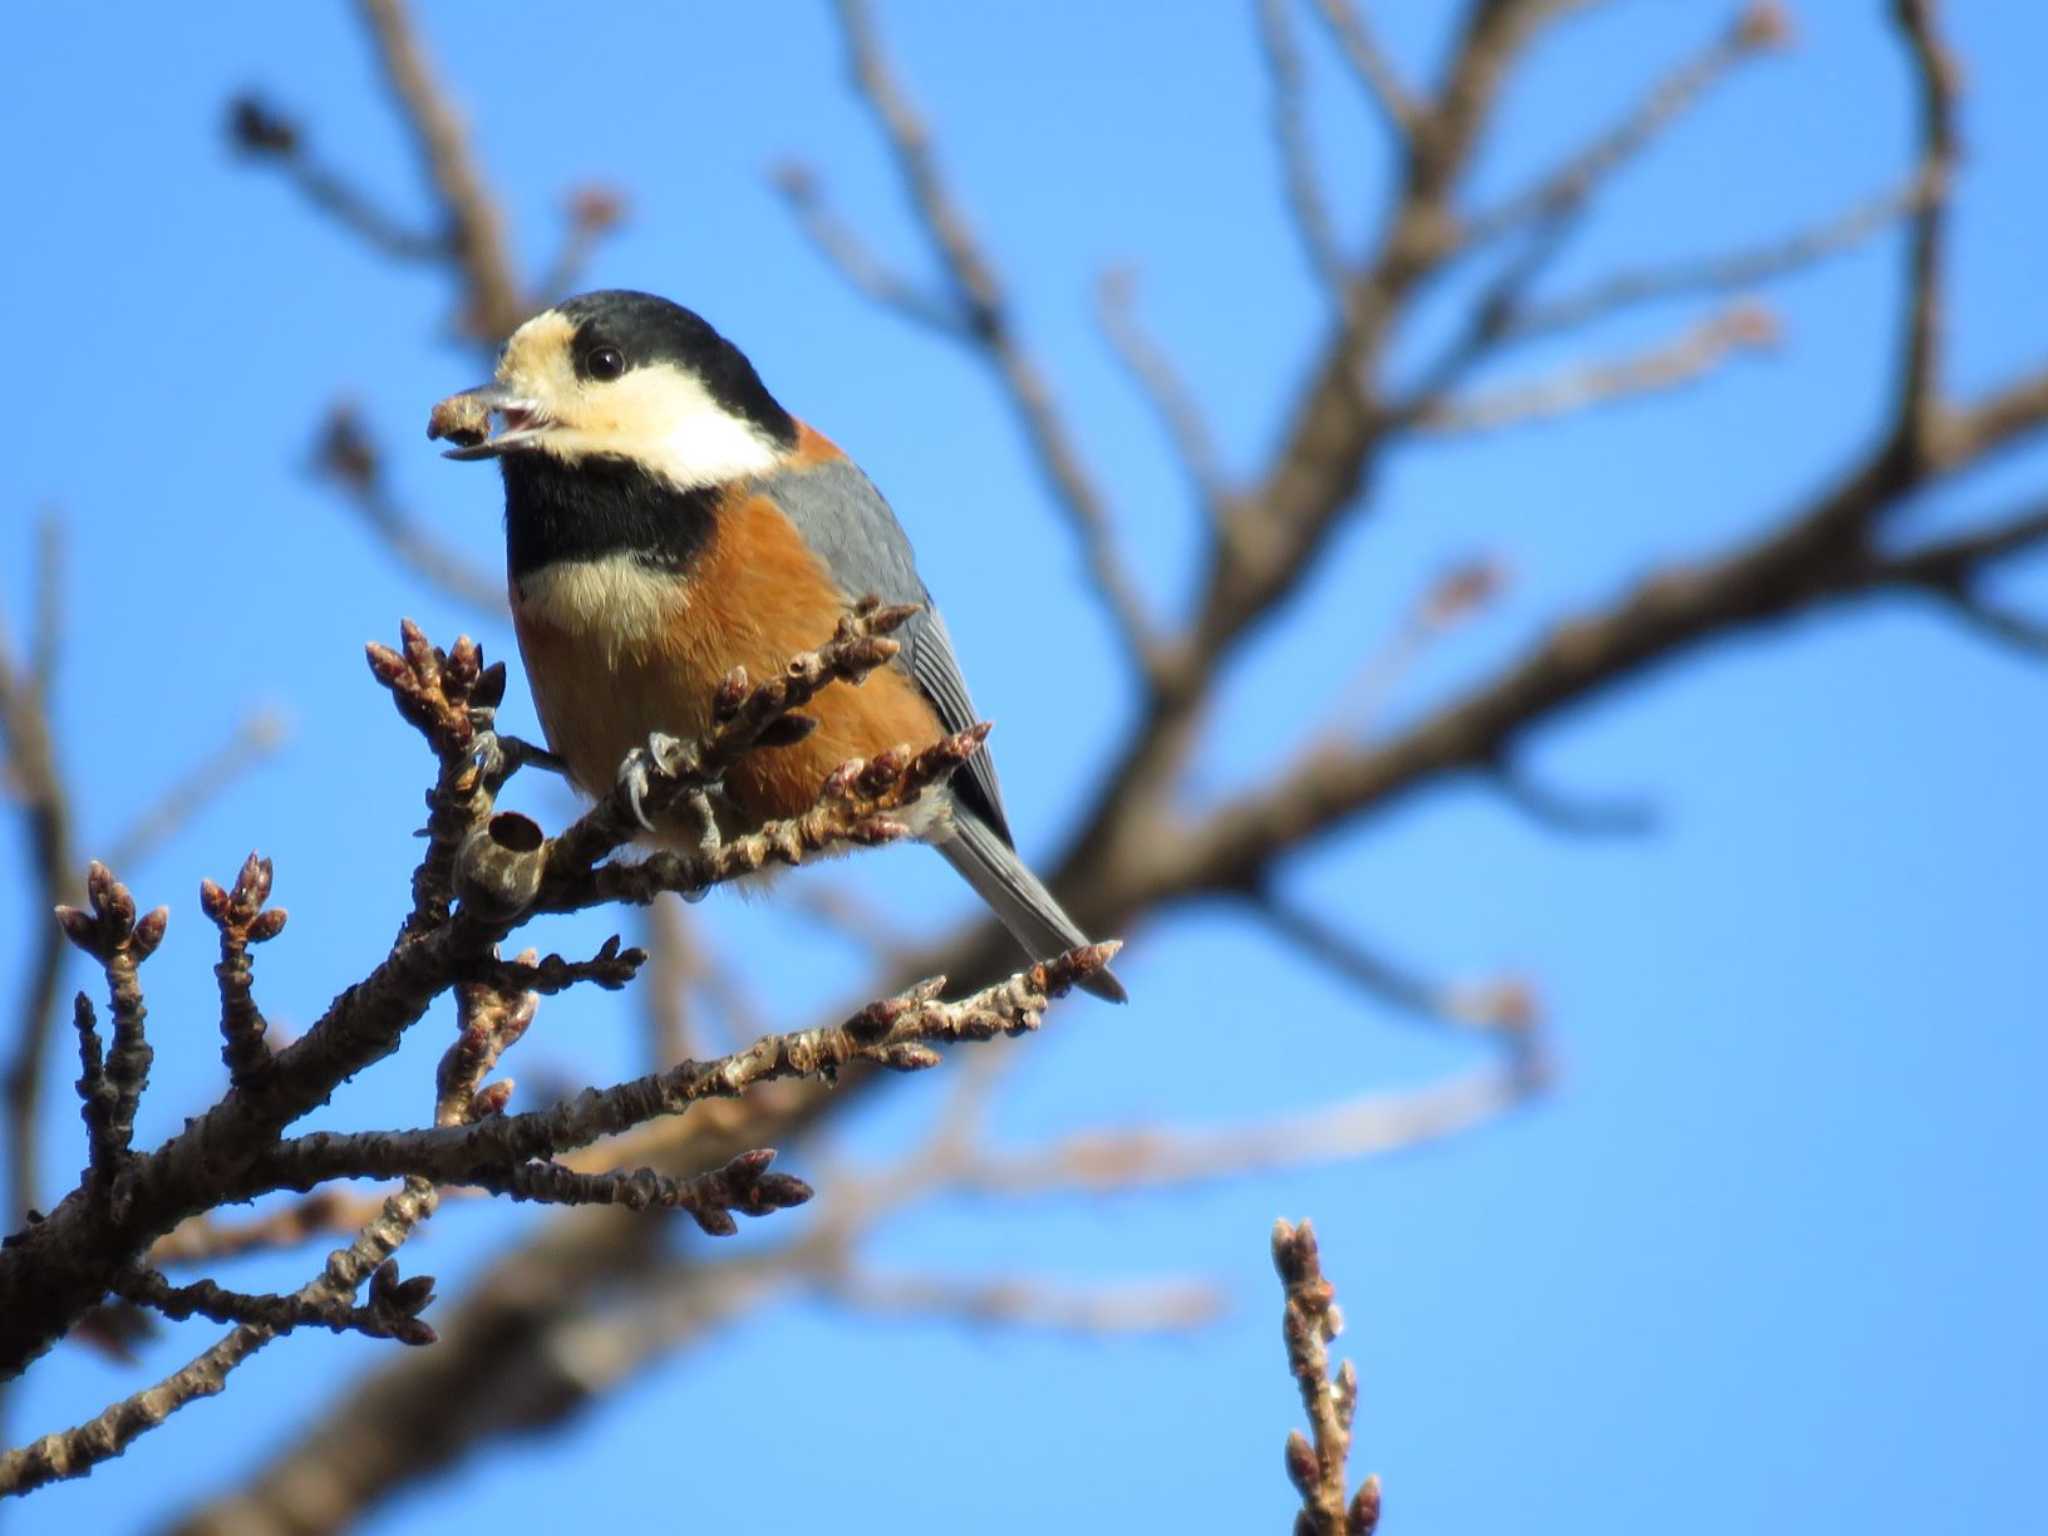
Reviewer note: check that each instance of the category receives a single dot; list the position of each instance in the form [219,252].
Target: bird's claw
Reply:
[642,765]
[498,757]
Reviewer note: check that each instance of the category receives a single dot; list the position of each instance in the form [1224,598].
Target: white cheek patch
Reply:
[616,599]
[695,441]
[665,419]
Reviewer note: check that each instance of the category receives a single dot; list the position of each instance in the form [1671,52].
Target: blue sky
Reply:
[1767,1257]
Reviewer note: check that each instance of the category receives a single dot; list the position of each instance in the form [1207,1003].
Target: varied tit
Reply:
[666,521]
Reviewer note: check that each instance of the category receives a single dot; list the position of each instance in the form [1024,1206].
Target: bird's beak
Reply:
[465,420]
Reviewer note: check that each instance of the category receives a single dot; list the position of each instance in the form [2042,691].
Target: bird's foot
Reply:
[499,757]
[659,760]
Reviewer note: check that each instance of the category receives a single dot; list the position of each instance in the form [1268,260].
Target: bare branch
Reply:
[75,1452]
[1290,132]
[260,131]
[593,213]
[349,458]
[1761,26]
[1375,72]
[31,768]
[1311,1321]
[255,740]
[842,246]
[1723,273]
[1569,816]
[897,1033]
[1025,1303]
[1938,82]
[1693,356]
[977,294]
[1492,1006]
[1161,384]
[1370,1125]
[493,301]
[392,1313]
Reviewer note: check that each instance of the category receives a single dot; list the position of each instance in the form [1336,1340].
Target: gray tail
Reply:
[1014,894]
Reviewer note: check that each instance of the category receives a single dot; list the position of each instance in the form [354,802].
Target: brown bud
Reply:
[256,129]
[1302,1468]
[1765,24]
[732,692]
[491,1099]
[385,663]
[267,925]
[489,691]
[79,928]
[1363,1518]
[149,932]
[413,1332]
[749,1166]
[252,882]
[910,1057]
[780,1191]
[715,1222]
[213,900]
[465,663]
[872,1024]
[409,1296]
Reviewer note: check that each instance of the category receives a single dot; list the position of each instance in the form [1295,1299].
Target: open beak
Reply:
[465,421]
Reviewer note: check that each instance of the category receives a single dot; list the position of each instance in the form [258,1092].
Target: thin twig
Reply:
[1375,72]
[1699,352]
[45,808]
[1760,27]
[493,301]
[253,741]
[1310,1321]
[1161,384]
[979,297]
[1303,181]
[1733,270]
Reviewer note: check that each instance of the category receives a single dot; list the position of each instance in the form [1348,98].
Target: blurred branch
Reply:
[494,303]
[1760,27]
[1025,1303]
[1375,72]
[1290,132]
[253,741]
[593,213]
[1508,1006]
[262,132]
[1568,815]
[841,246]
[1691,357]
[977,300]
[1161,384]
[847,914]
[34,778]
[349,458]
[1368,1125]
[1739,269]
[673,968]
[1937,82]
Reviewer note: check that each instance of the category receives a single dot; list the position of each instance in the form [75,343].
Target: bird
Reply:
[666,521]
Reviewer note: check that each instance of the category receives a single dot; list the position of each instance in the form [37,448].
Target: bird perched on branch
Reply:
[667,520]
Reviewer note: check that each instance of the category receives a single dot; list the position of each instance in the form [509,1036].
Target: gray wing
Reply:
[844,518]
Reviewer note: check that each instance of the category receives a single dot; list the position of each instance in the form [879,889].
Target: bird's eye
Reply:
[604,363]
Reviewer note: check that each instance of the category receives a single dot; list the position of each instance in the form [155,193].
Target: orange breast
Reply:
[613,656]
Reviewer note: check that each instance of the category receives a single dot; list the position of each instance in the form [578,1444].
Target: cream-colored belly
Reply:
[596,639]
